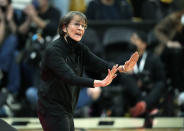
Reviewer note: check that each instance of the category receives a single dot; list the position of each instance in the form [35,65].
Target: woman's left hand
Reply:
[129,65]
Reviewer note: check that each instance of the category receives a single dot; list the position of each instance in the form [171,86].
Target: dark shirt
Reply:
[153,71]
[51,16]
[62,68]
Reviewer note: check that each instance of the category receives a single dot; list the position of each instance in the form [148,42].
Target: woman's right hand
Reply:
[108,79]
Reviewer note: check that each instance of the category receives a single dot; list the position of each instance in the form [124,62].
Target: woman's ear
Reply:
[64,28]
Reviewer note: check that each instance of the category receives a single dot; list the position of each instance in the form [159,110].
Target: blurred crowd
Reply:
[154,88]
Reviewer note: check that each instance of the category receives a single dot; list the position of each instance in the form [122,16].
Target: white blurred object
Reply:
[7,111]
[182,19]
[87,2]
[181,98]
[56,37]
[20,4]
[94,92]
[62,5]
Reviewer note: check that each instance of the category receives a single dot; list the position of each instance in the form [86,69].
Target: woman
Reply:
[63,64]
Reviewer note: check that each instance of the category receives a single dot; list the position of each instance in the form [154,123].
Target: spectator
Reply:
[8,45]
[170,33]
[41,18]
[10,75]
[86,98]
[145,85]
[39,26]
[109,10]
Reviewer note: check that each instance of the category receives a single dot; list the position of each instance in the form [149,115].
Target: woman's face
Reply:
[75,28]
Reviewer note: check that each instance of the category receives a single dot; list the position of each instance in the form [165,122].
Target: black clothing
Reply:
[174,66]
[51,17]
[62,122]
[153,79]
[62,67]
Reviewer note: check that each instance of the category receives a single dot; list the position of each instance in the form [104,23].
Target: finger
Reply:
[127,62]
[133,59]
[135,53]
[135,56]
[112,70]
[114,76]
[109,72]
[115,68]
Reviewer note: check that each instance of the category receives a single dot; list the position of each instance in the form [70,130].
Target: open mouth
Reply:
[78,34]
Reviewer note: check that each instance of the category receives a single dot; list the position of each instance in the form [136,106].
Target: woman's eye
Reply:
[77,24]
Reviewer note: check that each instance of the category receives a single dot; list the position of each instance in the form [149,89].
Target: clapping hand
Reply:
[129,65]
[108,79]
[111,75]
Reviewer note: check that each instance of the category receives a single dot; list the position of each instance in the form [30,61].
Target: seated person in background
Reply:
[109,10]
[86,98]
[9,69]
[8,46]
[170,33]
[145,85]
[38,27]
[40,17]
